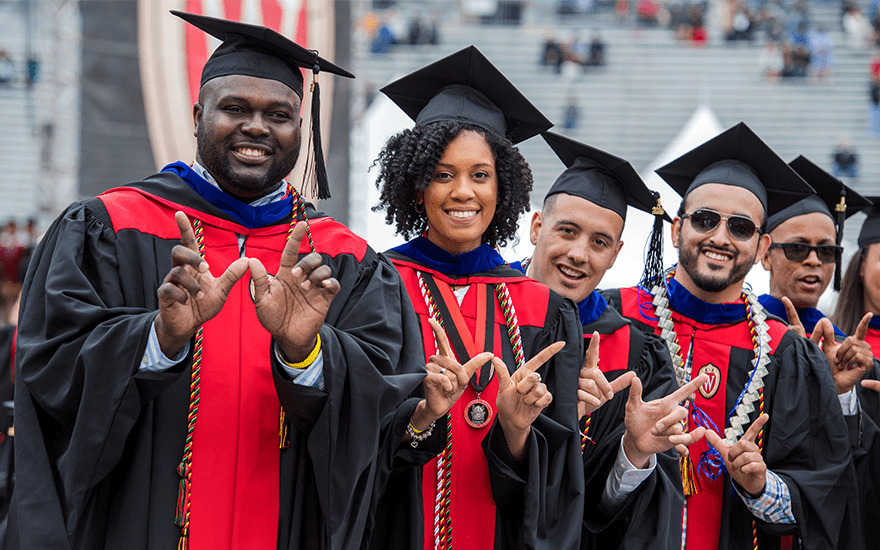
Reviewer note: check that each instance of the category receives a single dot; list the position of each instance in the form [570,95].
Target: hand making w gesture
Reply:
[594,390]
[743,459]
[521,397]
[189,295]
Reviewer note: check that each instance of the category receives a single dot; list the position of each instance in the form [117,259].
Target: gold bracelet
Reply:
[308,360]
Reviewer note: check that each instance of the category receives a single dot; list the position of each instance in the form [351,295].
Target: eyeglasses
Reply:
[740,228]
[798,252]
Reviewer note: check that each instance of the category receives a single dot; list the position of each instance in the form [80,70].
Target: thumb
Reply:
[713,439]
[259,277]
[503,376]
[635,392]
[233,273]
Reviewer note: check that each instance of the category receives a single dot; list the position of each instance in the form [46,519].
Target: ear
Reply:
[764,242]
[420,197]
[535,227]
[197,116]
[675,231]
[616,252]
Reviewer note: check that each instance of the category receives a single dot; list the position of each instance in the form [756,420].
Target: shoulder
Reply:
[334,239]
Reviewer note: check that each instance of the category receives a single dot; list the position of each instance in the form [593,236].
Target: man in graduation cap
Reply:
[166,401]
[776,458]
[633,485]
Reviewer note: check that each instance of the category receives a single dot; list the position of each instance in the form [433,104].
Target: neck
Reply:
[799,305]
[729,294]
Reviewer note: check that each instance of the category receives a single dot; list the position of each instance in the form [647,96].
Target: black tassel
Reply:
[320,169]
[841,219]
[653,274]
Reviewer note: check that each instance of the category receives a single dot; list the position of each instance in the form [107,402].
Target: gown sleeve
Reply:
[651,515]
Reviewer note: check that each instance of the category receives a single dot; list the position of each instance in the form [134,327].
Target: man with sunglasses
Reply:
[633,485]
[776,460]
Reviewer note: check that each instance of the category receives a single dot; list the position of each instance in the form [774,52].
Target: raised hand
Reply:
[657,426]
[743,459]
[794,320]
[189,295]
[521,397]
[292,305]
[446,381]
[593,388]
[854,358]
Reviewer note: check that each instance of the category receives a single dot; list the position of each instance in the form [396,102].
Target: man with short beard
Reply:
[163,402]
[776,458]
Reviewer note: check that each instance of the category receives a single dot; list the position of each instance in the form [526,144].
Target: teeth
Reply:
[569,272]
[716,256]
[248,152]
[462,214]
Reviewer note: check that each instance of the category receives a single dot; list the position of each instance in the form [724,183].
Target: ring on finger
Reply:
[442,370]
[539,378]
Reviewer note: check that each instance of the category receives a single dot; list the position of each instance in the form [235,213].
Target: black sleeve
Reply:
[866,454]
[651,515]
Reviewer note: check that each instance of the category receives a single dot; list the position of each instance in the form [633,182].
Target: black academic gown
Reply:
[7,464]
[101,440]
[539,499]
[865,430]
[806,441]
[651,516]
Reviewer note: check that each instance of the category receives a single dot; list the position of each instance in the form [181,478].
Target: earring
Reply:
[420,208]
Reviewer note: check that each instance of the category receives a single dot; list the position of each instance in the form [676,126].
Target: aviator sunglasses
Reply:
[703,220]
[798,252]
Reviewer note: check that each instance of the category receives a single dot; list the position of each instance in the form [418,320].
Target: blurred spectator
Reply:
[771,62]
[874,96]
[858,29]
[597,52]
[821,53]
[741,26]
[797,60]
[770,20]
[648,12]
[420,33]
[415,30]
[845,161]
[552,54]
[621,10]
[11,253]
[385,36]
[572,113]
[7,69]
[569,8]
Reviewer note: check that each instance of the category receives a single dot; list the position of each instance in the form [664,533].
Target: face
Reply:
[802,282]
[461,198]
[248,132]
[714,265]
[576,242]
[870,275]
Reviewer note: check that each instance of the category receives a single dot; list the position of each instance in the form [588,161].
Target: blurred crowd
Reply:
[17,244]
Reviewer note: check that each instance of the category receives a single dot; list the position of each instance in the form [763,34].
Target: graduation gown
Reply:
[805,441]
[101,439]
[651,516]
[866,450]
[496,502]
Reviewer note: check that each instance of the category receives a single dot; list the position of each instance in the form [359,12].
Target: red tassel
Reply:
[690,483]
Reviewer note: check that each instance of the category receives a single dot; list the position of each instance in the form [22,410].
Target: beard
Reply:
[217,162]
[709,282]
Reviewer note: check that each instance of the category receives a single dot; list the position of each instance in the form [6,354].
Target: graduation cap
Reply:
[610,182]
[465,86]
[870,232]
[253,50]
[832,198]
[738,157]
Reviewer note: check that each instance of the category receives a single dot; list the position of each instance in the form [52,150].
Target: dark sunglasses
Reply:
[798,252]
[740,228]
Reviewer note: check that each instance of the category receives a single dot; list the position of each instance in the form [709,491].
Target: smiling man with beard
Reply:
[776,458]
[162,401]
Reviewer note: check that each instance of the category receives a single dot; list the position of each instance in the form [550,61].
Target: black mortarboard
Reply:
[252,50]
[738,157]
[612,183]
[832,198]
[870,232]
[467,87]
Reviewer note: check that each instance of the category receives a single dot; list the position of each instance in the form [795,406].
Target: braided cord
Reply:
[511,323]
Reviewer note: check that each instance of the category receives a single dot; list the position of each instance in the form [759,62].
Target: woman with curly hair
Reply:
[501,465]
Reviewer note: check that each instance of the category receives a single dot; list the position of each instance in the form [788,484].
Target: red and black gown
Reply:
[101,440]
[805,441]
[496,502]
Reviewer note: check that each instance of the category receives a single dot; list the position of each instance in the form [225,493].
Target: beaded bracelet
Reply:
[418,436]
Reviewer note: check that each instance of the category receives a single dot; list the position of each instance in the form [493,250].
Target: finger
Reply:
[187,235]
[504,380]
[259,277]
[688,389]
[623,381]
[589,398]
[304,267]
[752,433]
[526,385]
[233,273]
[542,357]
[442,381]
[753,468]
[539,397]
[588,385]
[290,254]
[635,392]
[602,383]
[717,443]
[682,450]
[317,277]
[182,279]
[688,438]
[545,400]
[746,458]
[794,320]
[181,255]
[169,293]
[330,288]
[871,385]
[670,420]
[593,351]
[862,329]
[472,366]
[826,329]
[443,346]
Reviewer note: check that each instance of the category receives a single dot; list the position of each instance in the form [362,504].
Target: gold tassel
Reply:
[690,483]
[282,431]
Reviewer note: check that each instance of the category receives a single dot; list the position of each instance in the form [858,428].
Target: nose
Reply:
[721,234]
[812,259]
[462,188]
[255,126]
[577,254]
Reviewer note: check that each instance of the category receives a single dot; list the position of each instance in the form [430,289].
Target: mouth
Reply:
[251,153]
[570,274]
[810,281]
[716,256]
[462,215]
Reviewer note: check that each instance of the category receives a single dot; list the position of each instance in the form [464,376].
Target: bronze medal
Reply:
[478,413]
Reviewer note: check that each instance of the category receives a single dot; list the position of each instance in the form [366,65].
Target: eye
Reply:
[281,116]
[481,175]
[234,109]
[600,243]
[442,176]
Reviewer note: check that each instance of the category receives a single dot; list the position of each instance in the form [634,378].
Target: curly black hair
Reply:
[406,166]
